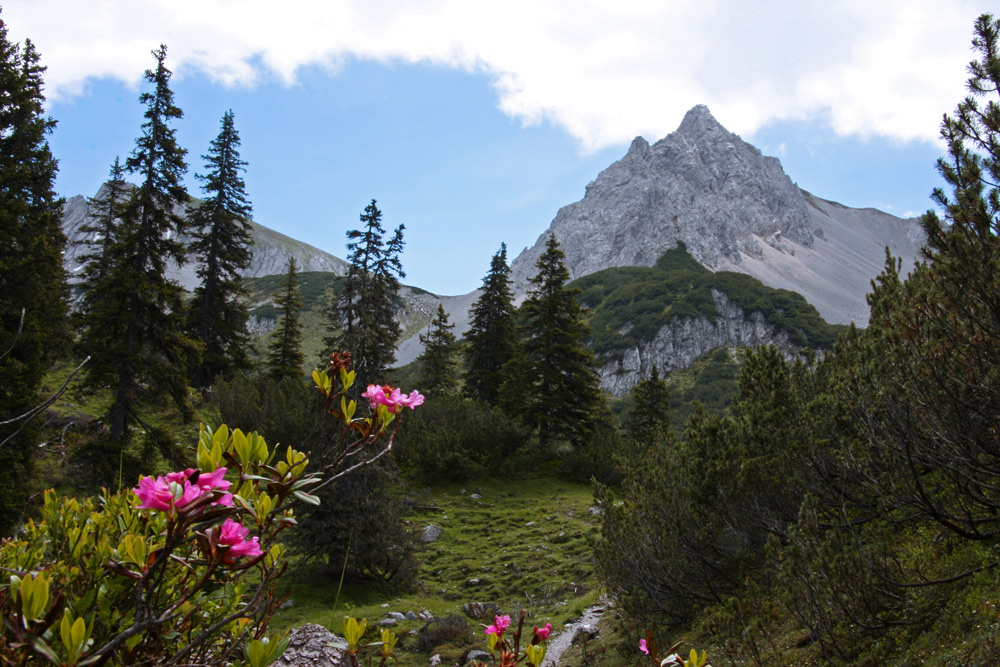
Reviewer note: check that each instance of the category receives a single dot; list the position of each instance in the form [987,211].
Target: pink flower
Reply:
[154,493]
[543,633]
[502,623]
[176,490]
[491,630]
[234,535]
[394,399]
[642,646]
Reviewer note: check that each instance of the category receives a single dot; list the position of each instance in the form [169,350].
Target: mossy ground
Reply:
[522,544]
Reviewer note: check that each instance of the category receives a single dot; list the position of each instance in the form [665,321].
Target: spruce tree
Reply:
[134,325]
[553,385]
[362,315]
[100,229]
[492,337]
[33,299]
[217,315]
[649,420]
[439,363]
[285,358]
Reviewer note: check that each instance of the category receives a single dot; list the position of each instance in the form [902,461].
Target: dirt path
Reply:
[563,640]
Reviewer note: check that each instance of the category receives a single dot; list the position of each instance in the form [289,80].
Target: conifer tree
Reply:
[100,229]
[439,363]
[553,385]
[362,316]
[217,315]
[492,337]
[649,420]
[33,299]
[285,358]
[134,326]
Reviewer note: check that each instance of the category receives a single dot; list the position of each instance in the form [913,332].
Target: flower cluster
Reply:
[391,398]
[176,490]
[534,652]
[234,535]
[500,623]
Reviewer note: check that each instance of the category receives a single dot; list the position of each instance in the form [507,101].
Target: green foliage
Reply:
[217,314]
[33,295]
[134,317]
[284,357]
[459,439]
[629,305]
[107,581]
[284,409]
[552,385]
[361,316]
[439,360]
[492,335]
[359,522]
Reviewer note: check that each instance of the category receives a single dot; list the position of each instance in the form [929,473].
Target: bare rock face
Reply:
[702,185]
[684,340]
[310,646]
[735,210]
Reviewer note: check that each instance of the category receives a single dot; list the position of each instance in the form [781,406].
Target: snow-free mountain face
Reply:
[735,209]
[271,250]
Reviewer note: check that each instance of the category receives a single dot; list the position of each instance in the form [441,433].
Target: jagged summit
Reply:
[734,209]
[699,121]
[701,184]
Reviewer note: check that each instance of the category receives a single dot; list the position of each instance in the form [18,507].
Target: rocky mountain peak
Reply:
[698,122]
[734,209]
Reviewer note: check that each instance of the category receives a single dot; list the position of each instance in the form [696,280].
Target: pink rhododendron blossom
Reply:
[176,489]
[491,630]
[234,535]
[391,398]
[543,633]
[154,493]
[502,623]
[642,646]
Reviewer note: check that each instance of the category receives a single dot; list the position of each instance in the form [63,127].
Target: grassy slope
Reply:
[523,544]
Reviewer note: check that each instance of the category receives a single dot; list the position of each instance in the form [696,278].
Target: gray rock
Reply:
[678,344]
[399,616]
[310,646]
[477,654]
[473,582]
[431,533]
[475,496]
[410,616]
[387,622]
[425,616]
[435,660]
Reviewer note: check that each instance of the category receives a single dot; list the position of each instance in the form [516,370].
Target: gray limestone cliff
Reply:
[678,344]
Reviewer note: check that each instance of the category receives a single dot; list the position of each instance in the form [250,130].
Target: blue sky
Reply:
[472,123]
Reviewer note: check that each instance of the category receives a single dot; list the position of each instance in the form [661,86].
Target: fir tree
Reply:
[285,358]
[217,314]
[100,229]
[33,300]
[492,337]
[553,385]
[362,316]
[438,363]
[649,420]
[135,314]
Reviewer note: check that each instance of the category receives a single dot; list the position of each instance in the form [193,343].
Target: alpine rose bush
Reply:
[181,569]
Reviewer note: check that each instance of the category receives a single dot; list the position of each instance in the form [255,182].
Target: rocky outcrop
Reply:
[678,344]
[271,250]
[312,646]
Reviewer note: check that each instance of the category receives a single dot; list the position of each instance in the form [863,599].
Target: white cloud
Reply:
[605,70]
